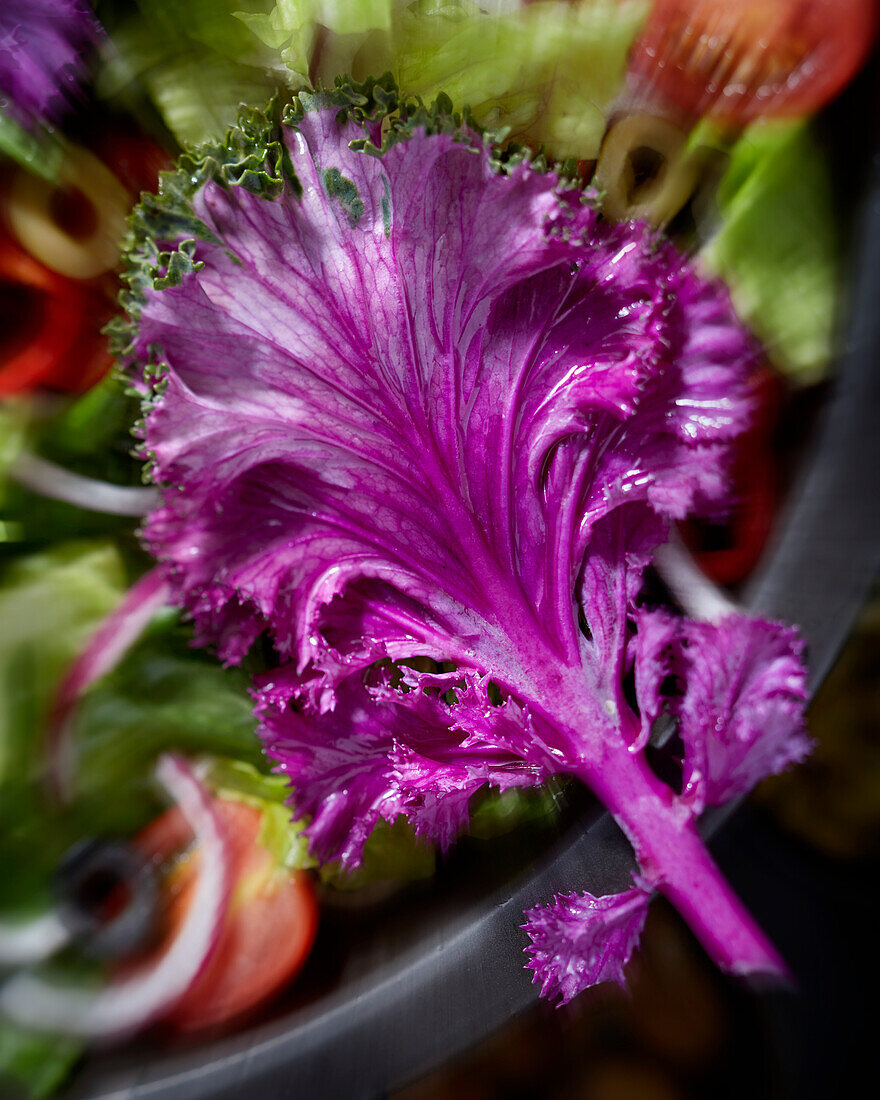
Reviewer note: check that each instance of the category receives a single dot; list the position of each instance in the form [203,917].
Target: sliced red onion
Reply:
[126,1006]
[699,597]
[108,646]
[23,943]
[49,480]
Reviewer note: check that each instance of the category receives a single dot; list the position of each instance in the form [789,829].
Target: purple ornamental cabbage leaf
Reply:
[654,655]
[579,940]
[739,716]
[739,719]
[415,410]
[369,759]
[42,44]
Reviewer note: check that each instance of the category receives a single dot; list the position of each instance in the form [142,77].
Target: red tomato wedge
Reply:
[51,326]
[43,317]
[738,60]
[269,928]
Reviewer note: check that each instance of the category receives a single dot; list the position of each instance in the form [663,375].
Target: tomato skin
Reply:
[739,60]
[49,325]
[52,337]
[53,341]
[268,930]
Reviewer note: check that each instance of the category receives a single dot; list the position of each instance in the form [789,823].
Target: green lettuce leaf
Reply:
[14,417]
[778,245]
[50,604]
[163,695]
[92,434]
[42,156]
[281,836]
[545,71]
[197,62]
[499,812]
[89,435]
[297,29]
[393,853]
[33,1066]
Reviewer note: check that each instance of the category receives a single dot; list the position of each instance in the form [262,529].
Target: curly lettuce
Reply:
[417,413]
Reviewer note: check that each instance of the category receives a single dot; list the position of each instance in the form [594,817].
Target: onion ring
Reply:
[126,1006]
[111,641]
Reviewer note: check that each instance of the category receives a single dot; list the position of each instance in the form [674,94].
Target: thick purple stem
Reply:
[675,860]
[591,717]
[659,825]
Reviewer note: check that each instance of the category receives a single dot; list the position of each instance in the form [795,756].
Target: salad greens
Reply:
[34,1064]
[50,603]
[91,437]
[547,71]
[13,430]
[420,419]
[777,245]
[392,853]
[412,399]
[196,61]
[162,696]
[21,146]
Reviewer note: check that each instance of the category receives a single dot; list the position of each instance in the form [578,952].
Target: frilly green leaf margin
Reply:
[252,155]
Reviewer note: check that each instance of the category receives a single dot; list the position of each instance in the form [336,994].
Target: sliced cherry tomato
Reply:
[52,319]
[727,552]
[269,928]
[43,318]
[738,60]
